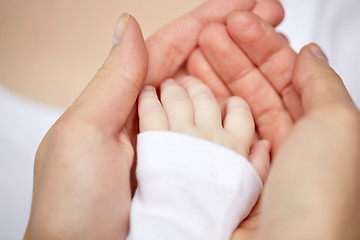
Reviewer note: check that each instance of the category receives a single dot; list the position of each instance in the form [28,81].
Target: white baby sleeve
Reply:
[189,188]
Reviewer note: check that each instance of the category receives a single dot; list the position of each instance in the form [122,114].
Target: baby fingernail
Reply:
[149,88]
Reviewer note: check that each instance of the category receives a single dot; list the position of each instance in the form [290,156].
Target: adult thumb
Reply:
[109,97]
[316,82]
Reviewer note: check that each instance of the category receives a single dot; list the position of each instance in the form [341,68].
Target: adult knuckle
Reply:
[102,73]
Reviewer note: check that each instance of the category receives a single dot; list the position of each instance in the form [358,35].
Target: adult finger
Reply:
[198,66]
[172,45]
[244,79]
[108,99]
[271,11]
[275,61]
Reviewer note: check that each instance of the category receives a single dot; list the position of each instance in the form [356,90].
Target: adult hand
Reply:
[309,118]
[313,190]
[249,59]
[81,179]
[82,167]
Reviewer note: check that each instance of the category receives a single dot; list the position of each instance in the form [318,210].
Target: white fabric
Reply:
[23,124]
[189,188]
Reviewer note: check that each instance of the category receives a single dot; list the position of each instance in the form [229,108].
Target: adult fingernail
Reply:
[120,27]
[318,52]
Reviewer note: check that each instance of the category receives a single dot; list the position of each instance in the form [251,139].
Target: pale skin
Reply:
[188,106]
[322,97]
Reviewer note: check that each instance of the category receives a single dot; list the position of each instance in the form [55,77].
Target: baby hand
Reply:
[189,107]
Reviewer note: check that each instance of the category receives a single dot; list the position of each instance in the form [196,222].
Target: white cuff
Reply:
[190,188]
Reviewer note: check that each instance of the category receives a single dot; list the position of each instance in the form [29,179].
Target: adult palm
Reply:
[300,104]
